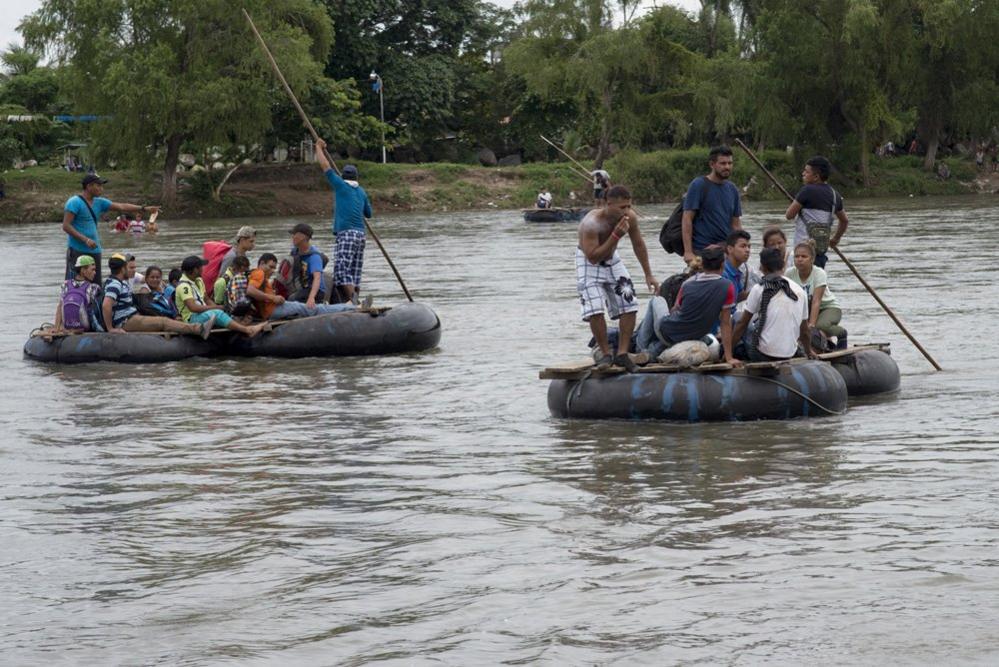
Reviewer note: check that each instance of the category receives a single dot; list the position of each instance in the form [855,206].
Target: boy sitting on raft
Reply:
[195,307]
[704,300]
[601,278]
[78,298]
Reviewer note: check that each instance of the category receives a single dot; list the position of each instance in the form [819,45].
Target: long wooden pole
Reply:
[848,263]
[315,138]
[585,174]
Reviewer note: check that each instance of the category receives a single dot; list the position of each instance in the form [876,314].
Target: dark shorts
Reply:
[71,257]
[598,193]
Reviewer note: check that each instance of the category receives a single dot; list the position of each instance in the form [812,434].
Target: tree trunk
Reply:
[603,147]
[932,145]
[169,194]
[217,191]
[865,158]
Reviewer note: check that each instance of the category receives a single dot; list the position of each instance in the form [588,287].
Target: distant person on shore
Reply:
[3,188]
[980,158]
[602,280]
[352,207]
[601,184]
[544,199]
[711,208]
[782,307]
[81,218]
[814,208]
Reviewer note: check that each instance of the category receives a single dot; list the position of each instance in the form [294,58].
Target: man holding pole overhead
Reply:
[350,207]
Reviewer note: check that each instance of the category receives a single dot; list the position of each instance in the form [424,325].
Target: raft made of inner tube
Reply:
[555,214]
[129,348]
[796,388]
[410,327]
[868,371]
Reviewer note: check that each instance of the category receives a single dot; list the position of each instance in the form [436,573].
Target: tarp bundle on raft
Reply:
[410,327]
[716,392]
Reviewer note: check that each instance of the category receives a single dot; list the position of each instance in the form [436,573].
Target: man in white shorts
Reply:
[601,279]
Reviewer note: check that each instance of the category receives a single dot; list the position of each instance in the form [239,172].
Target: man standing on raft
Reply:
[350,207]
[602,280]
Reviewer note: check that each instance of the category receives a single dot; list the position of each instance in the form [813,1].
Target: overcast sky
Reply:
[14,10]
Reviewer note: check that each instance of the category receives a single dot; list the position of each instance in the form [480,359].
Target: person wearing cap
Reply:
[246,239]
[121,315]
[704,299]
[272,306]
[85,272]
[80,221]
[195,307]
[350,208]
[307,269]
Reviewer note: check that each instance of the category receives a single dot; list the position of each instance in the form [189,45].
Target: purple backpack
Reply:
[76,305]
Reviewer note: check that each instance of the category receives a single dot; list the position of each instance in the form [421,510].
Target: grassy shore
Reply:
[38,194]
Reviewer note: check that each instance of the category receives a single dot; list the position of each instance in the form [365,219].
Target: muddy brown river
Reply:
[426,509]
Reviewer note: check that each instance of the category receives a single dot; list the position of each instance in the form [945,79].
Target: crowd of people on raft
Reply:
[244,297]
[776,308]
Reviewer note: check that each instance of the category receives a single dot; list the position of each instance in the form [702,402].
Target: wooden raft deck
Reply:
[587,369]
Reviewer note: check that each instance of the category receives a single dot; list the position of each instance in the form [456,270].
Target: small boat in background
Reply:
[555,214]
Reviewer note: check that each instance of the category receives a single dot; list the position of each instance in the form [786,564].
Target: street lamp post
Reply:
[379,85]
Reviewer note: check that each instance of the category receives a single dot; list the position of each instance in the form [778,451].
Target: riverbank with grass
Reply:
[38,194]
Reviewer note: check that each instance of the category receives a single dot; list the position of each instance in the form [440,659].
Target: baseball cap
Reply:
[246,232]
[84,260]
[191,262]
[93,178]
[350,171]
[301,228]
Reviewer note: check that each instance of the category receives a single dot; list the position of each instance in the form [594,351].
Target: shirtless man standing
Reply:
[602,280]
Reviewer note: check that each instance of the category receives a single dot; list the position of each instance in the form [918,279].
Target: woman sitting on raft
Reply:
[773,237]
[824,313]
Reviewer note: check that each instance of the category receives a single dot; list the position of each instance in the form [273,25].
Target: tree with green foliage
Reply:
[170,73]
[430,55]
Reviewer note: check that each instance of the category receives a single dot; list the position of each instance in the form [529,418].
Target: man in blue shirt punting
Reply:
[711,207]
[350,207]
[80,222]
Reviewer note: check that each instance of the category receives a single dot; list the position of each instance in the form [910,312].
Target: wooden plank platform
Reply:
[582,369]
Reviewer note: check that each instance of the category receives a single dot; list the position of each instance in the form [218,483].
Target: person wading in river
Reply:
[601,278]
[80,222]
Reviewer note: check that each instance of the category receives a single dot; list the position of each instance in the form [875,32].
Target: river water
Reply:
[426,509]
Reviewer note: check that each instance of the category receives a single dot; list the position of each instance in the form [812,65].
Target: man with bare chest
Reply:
[601,279]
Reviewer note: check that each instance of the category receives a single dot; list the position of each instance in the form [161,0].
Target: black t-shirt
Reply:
[819,197]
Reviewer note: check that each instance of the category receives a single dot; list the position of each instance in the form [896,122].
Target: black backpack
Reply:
[670,288]
[671,234]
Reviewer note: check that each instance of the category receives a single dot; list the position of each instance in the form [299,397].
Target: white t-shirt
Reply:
[779,337]
[817,278]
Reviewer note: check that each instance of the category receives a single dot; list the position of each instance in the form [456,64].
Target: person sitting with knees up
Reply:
[272,306]
[704,299]
[824,313]
[120,313]
[195,307]
[783,314]
[234,298]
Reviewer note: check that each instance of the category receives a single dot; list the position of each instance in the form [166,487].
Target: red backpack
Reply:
[214,252]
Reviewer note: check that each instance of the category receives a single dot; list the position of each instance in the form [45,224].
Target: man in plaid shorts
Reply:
[351,206]
[601,279]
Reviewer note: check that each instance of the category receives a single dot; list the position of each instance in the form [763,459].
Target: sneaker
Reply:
[353,298]
[625,362]
[841,343]
[206,327]
[604,362]
[367,301]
